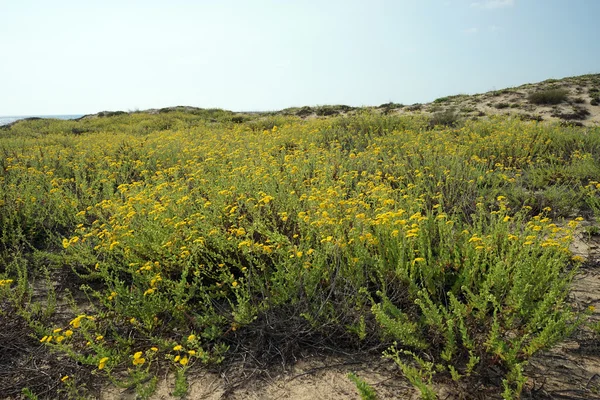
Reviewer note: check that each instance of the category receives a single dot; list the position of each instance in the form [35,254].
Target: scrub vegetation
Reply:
[137,244]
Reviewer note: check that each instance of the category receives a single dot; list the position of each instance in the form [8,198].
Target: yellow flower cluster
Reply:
[57,336]
[5,282]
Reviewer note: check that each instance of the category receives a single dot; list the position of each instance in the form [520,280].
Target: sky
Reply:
[78,57]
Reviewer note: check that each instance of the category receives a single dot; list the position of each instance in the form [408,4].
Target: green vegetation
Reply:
[447,117]
[595,95]
[548,96]
[137,244]
[448,99]
[365,391]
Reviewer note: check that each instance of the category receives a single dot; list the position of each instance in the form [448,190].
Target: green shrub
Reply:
[414,107]
[444,118]
[577,113]
[548,96]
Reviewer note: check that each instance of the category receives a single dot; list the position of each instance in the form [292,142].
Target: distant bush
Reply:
[442,100]
[111,113]
[325,111]
[391,105]
[450,98]
[530,117]
[444,118]
[387,108]
[305,111]
[502,105]
[414,107]
[595,95]
[548,96]
[577,113]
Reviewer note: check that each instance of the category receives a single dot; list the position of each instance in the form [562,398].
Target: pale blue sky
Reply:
[65,57]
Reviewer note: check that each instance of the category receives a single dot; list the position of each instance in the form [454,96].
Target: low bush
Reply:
[548,96]
[444,118]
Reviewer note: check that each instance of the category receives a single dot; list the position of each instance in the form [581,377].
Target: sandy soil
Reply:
[314,379]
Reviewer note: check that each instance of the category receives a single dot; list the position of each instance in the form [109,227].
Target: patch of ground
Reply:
[321,378]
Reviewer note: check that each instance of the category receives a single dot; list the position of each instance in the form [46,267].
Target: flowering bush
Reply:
[186,235]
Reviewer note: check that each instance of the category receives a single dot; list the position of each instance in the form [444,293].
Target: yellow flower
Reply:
[137,355]
[139,361]
[42,340]
[184,361]
[65,243]
[191,337]
[234,284]
[99,338]
[64,378]
[68,333]
[76,322]
[102,362]
[60,339]
[57,330]
[154,348]
[177,348]
[192,352]
[177,358]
